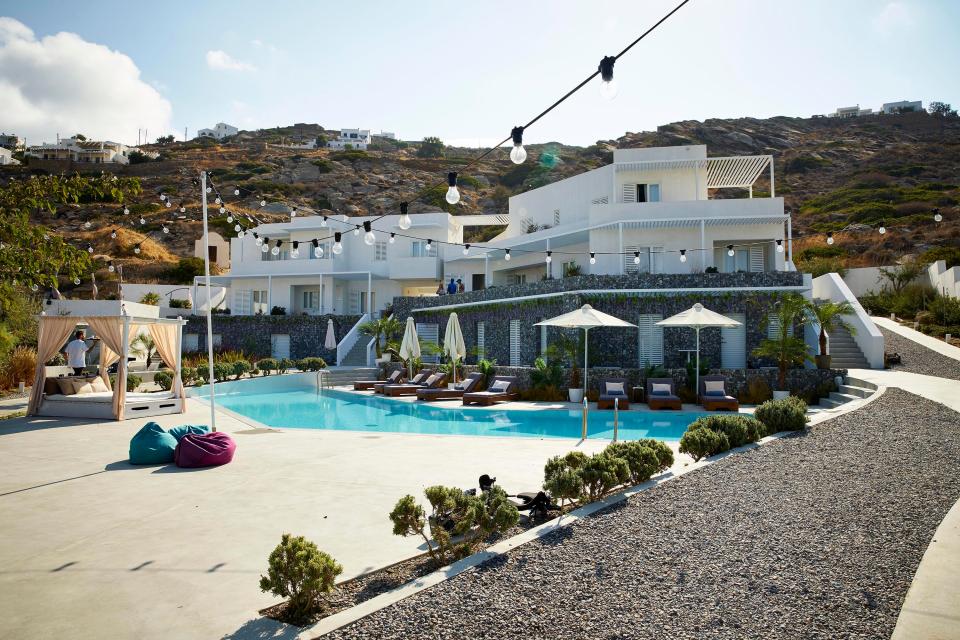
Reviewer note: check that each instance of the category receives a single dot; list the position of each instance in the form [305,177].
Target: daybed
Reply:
[501,389]
[415,380]
[467,385]
[434,381]
[613,389]
[713,395]
[99,405]
[662,394]
[365,385]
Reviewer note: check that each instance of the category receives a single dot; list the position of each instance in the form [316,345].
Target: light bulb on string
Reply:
[209,189]
[779,246]
[223,210]
[136,249]
[368,237]
[143,221]
[317,249]
[608,86]
[264,248]
[87,225]
[937,217]
[230,218]
[323,223]
[453,195]
[217,200]
[236,192]
[237,227]
[830,237]
[466,249]
[110,267]
[356,230]
[259,239]
[163,196]
[518,154]
[166,229]
[549,257]
[240,233]
[113,234]
[34,287]
[337,246]
[730,250]
[263,203]
[169,204]
[293,213]
[636,257]
[404,222]
[593,257]
[275,251]
[295,253]
[683,255]
[882,230]
[126,211]
[183,209]
[429,245]
[393,238]
[75,281]
[506,255]
[89,248]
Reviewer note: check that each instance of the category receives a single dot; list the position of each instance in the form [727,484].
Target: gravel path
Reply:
[812,536]
[918,358]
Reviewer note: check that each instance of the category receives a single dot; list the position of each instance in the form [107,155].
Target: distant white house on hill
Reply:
[11,141]
[6,157]
[85,151]
[351,138]
[903,106]
[219,132]
[850,112]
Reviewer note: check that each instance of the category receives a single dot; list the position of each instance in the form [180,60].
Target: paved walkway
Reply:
[920,338]
[10,406]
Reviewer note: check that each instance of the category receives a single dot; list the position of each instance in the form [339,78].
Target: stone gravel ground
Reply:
[816,535]
[918,358]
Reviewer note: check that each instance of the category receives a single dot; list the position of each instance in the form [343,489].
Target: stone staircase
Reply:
[844,352]
[357,356]
[851,389]
[346,376]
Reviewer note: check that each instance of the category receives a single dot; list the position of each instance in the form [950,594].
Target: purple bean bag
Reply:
[204,450]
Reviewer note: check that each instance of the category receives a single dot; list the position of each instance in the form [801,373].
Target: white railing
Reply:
[371,352]
[346,343]
[811,335]
[831,286]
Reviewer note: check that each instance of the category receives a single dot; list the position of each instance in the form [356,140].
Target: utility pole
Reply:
[184,134]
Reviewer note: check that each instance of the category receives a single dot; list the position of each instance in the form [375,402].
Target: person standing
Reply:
[452,287]
[460,287]
[76,353]
[440,289]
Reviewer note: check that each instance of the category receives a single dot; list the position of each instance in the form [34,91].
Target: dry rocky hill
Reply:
[844,176]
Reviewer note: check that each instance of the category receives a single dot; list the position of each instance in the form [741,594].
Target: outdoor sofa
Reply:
[395,377]
[416,380]
[501,389]
[467,385]
[662,394]
[613,390]
[434,381]
[713,394]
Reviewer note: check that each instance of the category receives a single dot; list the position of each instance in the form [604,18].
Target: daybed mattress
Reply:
[107,396]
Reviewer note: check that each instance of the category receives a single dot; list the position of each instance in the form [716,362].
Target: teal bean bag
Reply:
[152,445]
[182,430]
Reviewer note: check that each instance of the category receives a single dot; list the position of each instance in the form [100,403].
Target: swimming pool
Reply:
[285,402]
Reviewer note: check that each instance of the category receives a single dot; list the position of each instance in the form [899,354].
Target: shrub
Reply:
[179,303]
[185,271]
[268,366]
[22,365]
[739,430]
[601,473]
[286,363]
[664,453]
[164,379]
[311,364]
[788,414]
[151,298]
[641,460]
[133,381]
[757,391]
[561,477]
[430,147]
[239,368]
[701,443]
[546,375]
[298,570]
[188,375]
[222,371]
[278,311]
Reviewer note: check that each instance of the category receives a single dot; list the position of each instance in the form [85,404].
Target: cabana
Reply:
[116,323]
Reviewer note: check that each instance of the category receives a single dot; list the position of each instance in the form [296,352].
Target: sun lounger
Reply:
[416,380]
[467,385]
[713,395]
[435,381]
[365,385]
[611,390]
[501,389]
[662,394]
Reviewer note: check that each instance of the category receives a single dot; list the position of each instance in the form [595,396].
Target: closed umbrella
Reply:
[453,344]
[410,345]
[698,317]
[330,342]
[586,318]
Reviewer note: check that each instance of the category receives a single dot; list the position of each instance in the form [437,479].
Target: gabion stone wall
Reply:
[253,334]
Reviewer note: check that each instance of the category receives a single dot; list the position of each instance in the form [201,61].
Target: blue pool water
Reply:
[339,410]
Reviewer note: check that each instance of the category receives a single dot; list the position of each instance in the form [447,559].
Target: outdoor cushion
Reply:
[204,450]
[184,429]
[81,387]
[432,379]
[615,388]
[660,389]
[713,388]
[500,386]
[66,386]
[98,384]
[50,386]
[152,445]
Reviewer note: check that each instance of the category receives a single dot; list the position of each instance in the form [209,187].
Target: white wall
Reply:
[868,337]
[946,281]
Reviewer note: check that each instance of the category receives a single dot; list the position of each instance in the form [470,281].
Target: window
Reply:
[520,278]
[481,340]
[326,251]
[380,251]
[653,193]
[514,343]
[260,300]
[418,249]
[656,259]
[641,192]
[773,327]
[629,266]
[566,266]
[429,333]
[739,261]
[269,257]
[650,345]
[311,299]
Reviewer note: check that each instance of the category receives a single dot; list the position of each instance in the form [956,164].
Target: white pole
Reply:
[696,389]
[586,348]
[773,191]
[206,274]
[790,239]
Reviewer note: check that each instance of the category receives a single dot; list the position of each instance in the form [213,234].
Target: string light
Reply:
[779,245]
[317,249]
[882,229]
[89,248]
[113,234]
[295,253]
[518,154]
[237,228]
[136,248]
[683,255]
[368,237]
[393,237]
[337,247]
[276,248]
[549,257]
[429,245]
[936,216]
[224,210]
[126,211]
[163,196]
[466,249]
[217,201]
[829,237]
[183,209]
[169,204]
[34,287]
[636,257]
[263,203]
[143,220]
[356,230]
[453,195]
[730,250]
[593,257]
[236,192]
[405,222]
[166,229]
[75,281]
[259,240]
[506,255]
[240,233]
[265,245]
[110,266]
[608,86]
[323,223]
[293,213]
[86,225]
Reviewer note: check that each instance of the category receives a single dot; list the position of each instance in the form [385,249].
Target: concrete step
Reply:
[843,397]
[857,382]
[827,403]
[853,390]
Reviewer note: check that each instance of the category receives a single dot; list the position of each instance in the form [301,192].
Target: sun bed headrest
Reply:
[614,388]
[433,379]
[500,386]
[394,375]
[713,388]
[660,389]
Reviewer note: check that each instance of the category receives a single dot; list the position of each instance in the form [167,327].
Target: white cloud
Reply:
[62,83]
[222,61]
[894,16]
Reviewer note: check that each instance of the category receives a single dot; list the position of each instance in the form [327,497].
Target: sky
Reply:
[466,72]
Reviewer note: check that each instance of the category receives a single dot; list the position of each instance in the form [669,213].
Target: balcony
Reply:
[426,268]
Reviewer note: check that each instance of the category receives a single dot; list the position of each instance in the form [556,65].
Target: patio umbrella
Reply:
[330,342]
[698,317]
[410,345]
[453,344]
[586,318]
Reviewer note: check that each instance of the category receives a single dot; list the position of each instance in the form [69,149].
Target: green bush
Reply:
[286,364]
[239,368]
[311,364]
[951,255]
[661,449]
[601,473]
[323,165]
[561,476]
[788,414]
[701,443]
[298,570]
[268,366]
[222,371]
[133,381]
[164,379]
[185,271]
[740,430]
[641,460]
[546,374]
[178,303]
[188,375]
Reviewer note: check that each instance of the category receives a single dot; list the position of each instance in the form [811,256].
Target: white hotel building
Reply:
[651,211]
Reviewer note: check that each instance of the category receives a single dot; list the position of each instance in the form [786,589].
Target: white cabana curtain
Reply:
[52,335]
[110,331]
[165,339]
[107,357]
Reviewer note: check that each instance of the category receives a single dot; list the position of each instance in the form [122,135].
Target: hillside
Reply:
[836,175]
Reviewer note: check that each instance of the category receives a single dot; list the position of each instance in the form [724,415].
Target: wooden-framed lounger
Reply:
[467,385]
[416,380]
[716,398]
[660,398]
[395,377]
[610,392]
[501,389]
[434,381]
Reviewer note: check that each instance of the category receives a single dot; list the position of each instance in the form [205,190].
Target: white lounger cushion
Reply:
[107,396]
[500,386]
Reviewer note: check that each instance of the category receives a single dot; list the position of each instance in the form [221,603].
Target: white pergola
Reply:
[722,173]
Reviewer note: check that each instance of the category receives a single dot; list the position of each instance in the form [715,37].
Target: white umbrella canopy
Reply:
[586,318]
[330,342]
[453,344]
[698,317]
[410,345]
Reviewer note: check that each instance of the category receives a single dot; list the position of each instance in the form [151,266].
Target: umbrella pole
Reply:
[696,389]
[586,349]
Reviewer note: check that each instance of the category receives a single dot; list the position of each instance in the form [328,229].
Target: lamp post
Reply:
[206,275]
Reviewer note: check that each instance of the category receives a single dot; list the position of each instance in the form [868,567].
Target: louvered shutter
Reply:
[481,340]
[429,333]
[756,258]
[514,343]
[629,193]
[650,347]
[628,265]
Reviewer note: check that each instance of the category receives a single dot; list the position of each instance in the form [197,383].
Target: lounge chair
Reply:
[501,389]
[713,395]
[395,377]
[662,394]
[613,389]
[434,381]
[417,380]
[468,384]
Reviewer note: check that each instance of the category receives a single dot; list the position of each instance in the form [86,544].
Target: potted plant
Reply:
[829,316]
[566,349]
[388,328]
[785,348]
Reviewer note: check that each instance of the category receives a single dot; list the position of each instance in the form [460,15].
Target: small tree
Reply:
[829,316]
[901,276]
[298,570]
[787,350]
[143,345]
[942,110]
[151,297]
[561,476]
[382,329]
[431,147]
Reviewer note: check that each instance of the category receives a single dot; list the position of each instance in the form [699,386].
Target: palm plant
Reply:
[151,298]
[786,349]
[382,329]
[829,315]
[144,346]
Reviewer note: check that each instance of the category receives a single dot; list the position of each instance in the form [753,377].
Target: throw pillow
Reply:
[660,389]
[500,386]
[98,384]
[615,389]
[713,388]
[66,386]
[81,387]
